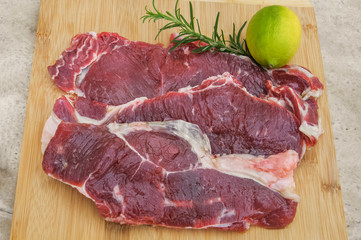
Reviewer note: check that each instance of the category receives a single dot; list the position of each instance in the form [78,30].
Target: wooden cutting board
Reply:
[47,209]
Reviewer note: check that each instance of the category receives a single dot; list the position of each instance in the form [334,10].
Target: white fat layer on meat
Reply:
[311,93]
[79,50]
[214,200]
[301,69]
[185,89]
[83,119]
[126,128]
[280,102]
[225,213]
[82,74]
[311,130]
[242,57]
[285,186]
[117,195]
[195,137]
[303,110]
[103,53]
[190,96]
[225,76]
[78,92]
[225,225]
[94,34]
[304,148]
[289,102]
[110,112]
[229,80]
[49,130]
[168,203]
[58,66]
[50,127]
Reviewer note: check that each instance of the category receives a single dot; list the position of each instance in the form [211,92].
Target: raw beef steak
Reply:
[111,69]
[108,68]
[234,120]
[163,174]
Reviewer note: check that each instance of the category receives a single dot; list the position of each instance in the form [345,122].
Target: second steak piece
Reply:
[234,120]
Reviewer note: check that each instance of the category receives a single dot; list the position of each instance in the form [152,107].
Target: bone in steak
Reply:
[234,120]
[163,174]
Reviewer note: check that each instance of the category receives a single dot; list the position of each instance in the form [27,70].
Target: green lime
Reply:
[273,36]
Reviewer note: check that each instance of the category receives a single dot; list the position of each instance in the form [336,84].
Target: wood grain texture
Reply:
[47,209]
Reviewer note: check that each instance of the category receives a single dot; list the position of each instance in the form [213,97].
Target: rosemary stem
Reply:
[188,33]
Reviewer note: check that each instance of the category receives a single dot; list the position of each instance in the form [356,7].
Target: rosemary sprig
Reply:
[190,33]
